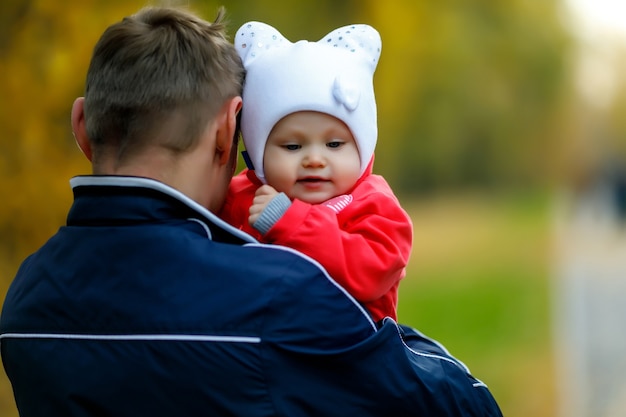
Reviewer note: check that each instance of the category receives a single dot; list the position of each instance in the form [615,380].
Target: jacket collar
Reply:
[140,199]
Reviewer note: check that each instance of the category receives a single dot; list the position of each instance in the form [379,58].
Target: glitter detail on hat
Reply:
[333,75]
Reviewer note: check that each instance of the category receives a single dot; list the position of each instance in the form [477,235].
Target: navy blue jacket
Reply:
[145,304]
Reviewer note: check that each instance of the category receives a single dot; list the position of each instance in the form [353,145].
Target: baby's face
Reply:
[311,156]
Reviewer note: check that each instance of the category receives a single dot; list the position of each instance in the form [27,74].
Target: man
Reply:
[146,304]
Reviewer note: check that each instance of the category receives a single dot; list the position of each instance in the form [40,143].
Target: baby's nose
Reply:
[314,159]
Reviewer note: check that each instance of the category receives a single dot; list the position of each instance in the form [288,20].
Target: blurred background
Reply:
[501,128]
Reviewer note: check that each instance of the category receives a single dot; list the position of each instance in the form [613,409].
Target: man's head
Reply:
[333,75]
[156,82]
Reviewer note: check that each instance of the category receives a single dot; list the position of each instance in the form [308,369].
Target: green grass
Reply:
[478,281]
[483,310]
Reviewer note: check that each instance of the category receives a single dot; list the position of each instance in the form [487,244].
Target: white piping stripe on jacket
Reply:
[451,359]
[144,337]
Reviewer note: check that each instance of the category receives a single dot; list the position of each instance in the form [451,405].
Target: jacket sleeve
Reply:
[365,247]
[394,372]
[322,356]
[466,395]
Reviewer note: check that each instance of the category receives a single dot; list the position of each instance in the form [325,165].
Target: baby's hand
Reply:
[262,198]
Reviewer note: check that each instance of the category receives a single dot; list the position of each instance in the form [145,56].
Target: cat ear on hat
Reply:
[362,40]
[253,38]
[362,46]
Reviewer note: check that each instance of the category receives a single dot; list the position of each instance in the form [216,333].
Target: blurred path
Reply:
[590,304]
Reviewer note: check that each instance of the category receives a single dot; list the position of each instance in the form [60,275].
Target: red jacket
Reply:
[363,239]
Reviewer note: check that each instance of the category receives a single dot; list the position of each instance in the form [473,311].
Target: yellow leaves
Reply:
[44,59]
[400,28]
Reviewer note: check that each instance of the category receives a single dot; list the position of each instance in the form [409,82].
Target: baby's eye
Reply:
[291,147]
[334,144]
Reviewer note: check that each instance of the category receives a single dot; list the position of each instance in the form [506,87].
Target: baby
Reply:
[309,128]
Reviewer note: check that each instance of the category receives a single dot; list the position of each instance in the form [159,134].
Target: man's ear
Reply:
[78,127]
[227,128]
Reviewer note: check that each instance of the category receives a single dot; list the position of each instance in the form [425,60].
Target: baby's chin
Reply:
[311,199]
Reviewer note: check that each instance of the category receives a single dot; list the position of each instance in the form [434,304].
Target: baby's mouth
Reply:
[312,183]
[312,179]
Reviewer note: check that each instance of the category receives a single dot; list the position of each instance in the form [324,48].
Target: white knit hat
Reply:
[333,76]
